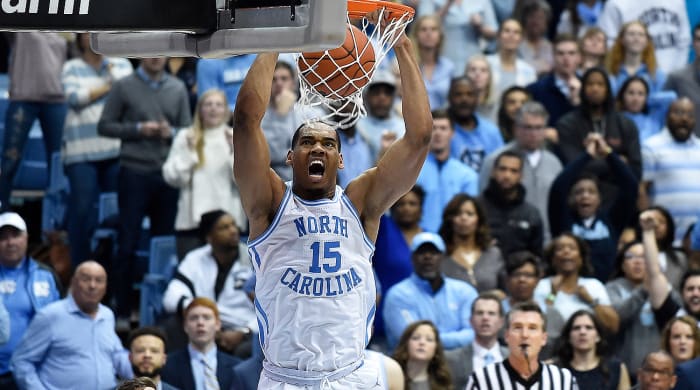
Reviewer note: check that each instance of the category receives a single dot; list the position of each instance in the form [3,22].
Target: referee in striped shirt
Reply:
[525,336]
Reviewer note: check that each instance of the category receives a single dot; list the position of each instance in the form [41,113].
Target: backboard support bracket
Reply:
[297,25]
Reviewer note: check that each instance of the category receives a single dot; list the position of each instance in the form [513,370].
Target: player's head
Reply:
[525,329]
[315,158]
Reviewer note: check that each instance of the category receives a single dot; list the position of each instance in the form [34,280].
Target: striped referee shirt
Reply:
[502,376]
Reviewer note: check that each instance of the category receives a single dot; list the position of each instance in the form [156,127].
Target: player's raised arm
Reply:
[260,188]
[396,172]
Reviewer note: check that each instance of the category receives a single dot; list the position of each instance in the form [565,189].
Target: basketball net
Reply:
[345,112]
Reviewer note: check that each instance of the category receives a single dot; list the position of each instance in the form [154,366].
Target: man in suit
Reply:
[200,366]
[685,373]
[147,354]
[487,321]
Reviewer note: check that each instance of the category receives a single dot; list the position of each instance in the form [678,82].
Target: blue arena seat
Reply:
[107,207]
[161,266]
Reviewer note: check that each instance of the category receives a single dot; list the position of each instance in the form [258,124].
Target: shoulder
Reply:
[167,386]
[177,358]
[196,257]
[74,64]
[690,366]
[461,169]
[403,288]
[460,286]
[121,62]
[486,125]
[226,359]
[53,310]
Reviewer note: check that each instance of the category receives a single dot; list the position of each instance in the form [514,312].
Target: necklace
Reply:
[468,259]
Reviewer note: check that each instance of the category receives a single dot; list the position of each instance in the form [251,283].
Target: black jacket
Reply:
[514,223]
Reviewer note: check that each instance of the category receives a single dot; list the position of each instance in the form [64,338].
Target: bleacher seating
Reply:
[161,265]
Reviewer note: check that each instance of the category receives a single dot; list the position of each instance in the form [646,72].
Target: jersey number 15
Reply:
[331,256]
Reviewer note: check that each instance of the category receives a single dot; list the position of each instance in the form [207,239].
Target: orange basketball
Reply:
[340,72]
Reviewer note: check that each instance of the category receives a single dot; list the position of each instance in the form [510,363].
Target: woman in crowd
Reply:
[421,356]
[536,49]
[465,23]
[437,70]
[673,261]
[646,110]
[594,48]
[576,203]
[569,287]
[578,16]
[597,114]
[639,334]
[91,161]
[633,54]
[471,256]
[681,339]
[583,349]
[392,255]
[507,69]
[511,100]
[199,164]
[479,72]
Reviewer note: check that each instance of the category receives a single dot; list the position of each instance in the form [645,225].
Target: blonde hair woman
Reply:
[479,71]
[200,164]
[428,36]
[633,54]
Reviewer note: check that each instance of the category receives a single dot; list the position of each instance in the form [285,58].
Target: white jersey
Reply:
[315,292]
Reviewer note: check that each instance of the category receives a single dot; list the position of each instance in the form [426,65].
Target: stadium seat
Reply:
[107,208]
[161,265]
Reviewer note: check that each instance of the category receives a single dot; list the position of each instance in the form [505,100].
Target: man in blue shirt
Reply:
[475,136]
[25,287]
[442,176]
[71,344]
[428,295]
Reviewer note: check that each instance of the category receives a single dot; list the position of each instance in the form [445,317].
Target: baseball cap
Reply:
[383,77]
[14,220]
[428,238]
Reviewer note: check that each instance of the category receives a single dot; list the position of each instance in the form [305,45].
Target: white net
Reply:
[338,94]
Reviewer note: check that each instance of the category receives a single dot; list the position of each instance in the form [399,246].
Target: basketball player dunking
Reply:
[311,241]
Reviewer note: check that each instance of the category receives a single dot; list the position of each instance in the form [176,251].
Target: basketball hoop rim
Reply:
[358,9]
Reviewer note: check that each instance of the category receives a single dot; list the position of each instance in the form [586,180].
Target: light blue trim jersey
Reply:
[315,291]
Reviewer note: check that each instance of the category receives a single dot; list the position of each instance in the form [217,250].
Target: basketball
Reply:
[340,72]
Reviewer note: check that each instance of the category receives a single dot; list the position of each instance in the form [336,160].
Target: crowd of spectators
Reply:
[564,170]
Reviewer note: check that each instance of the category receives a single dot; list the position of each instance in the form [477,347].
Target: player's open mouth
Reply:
[316,169]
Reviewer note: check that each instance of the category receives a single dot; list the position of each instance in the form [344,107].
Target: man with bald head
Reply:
[71,344]
[656,373]
[671,176]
